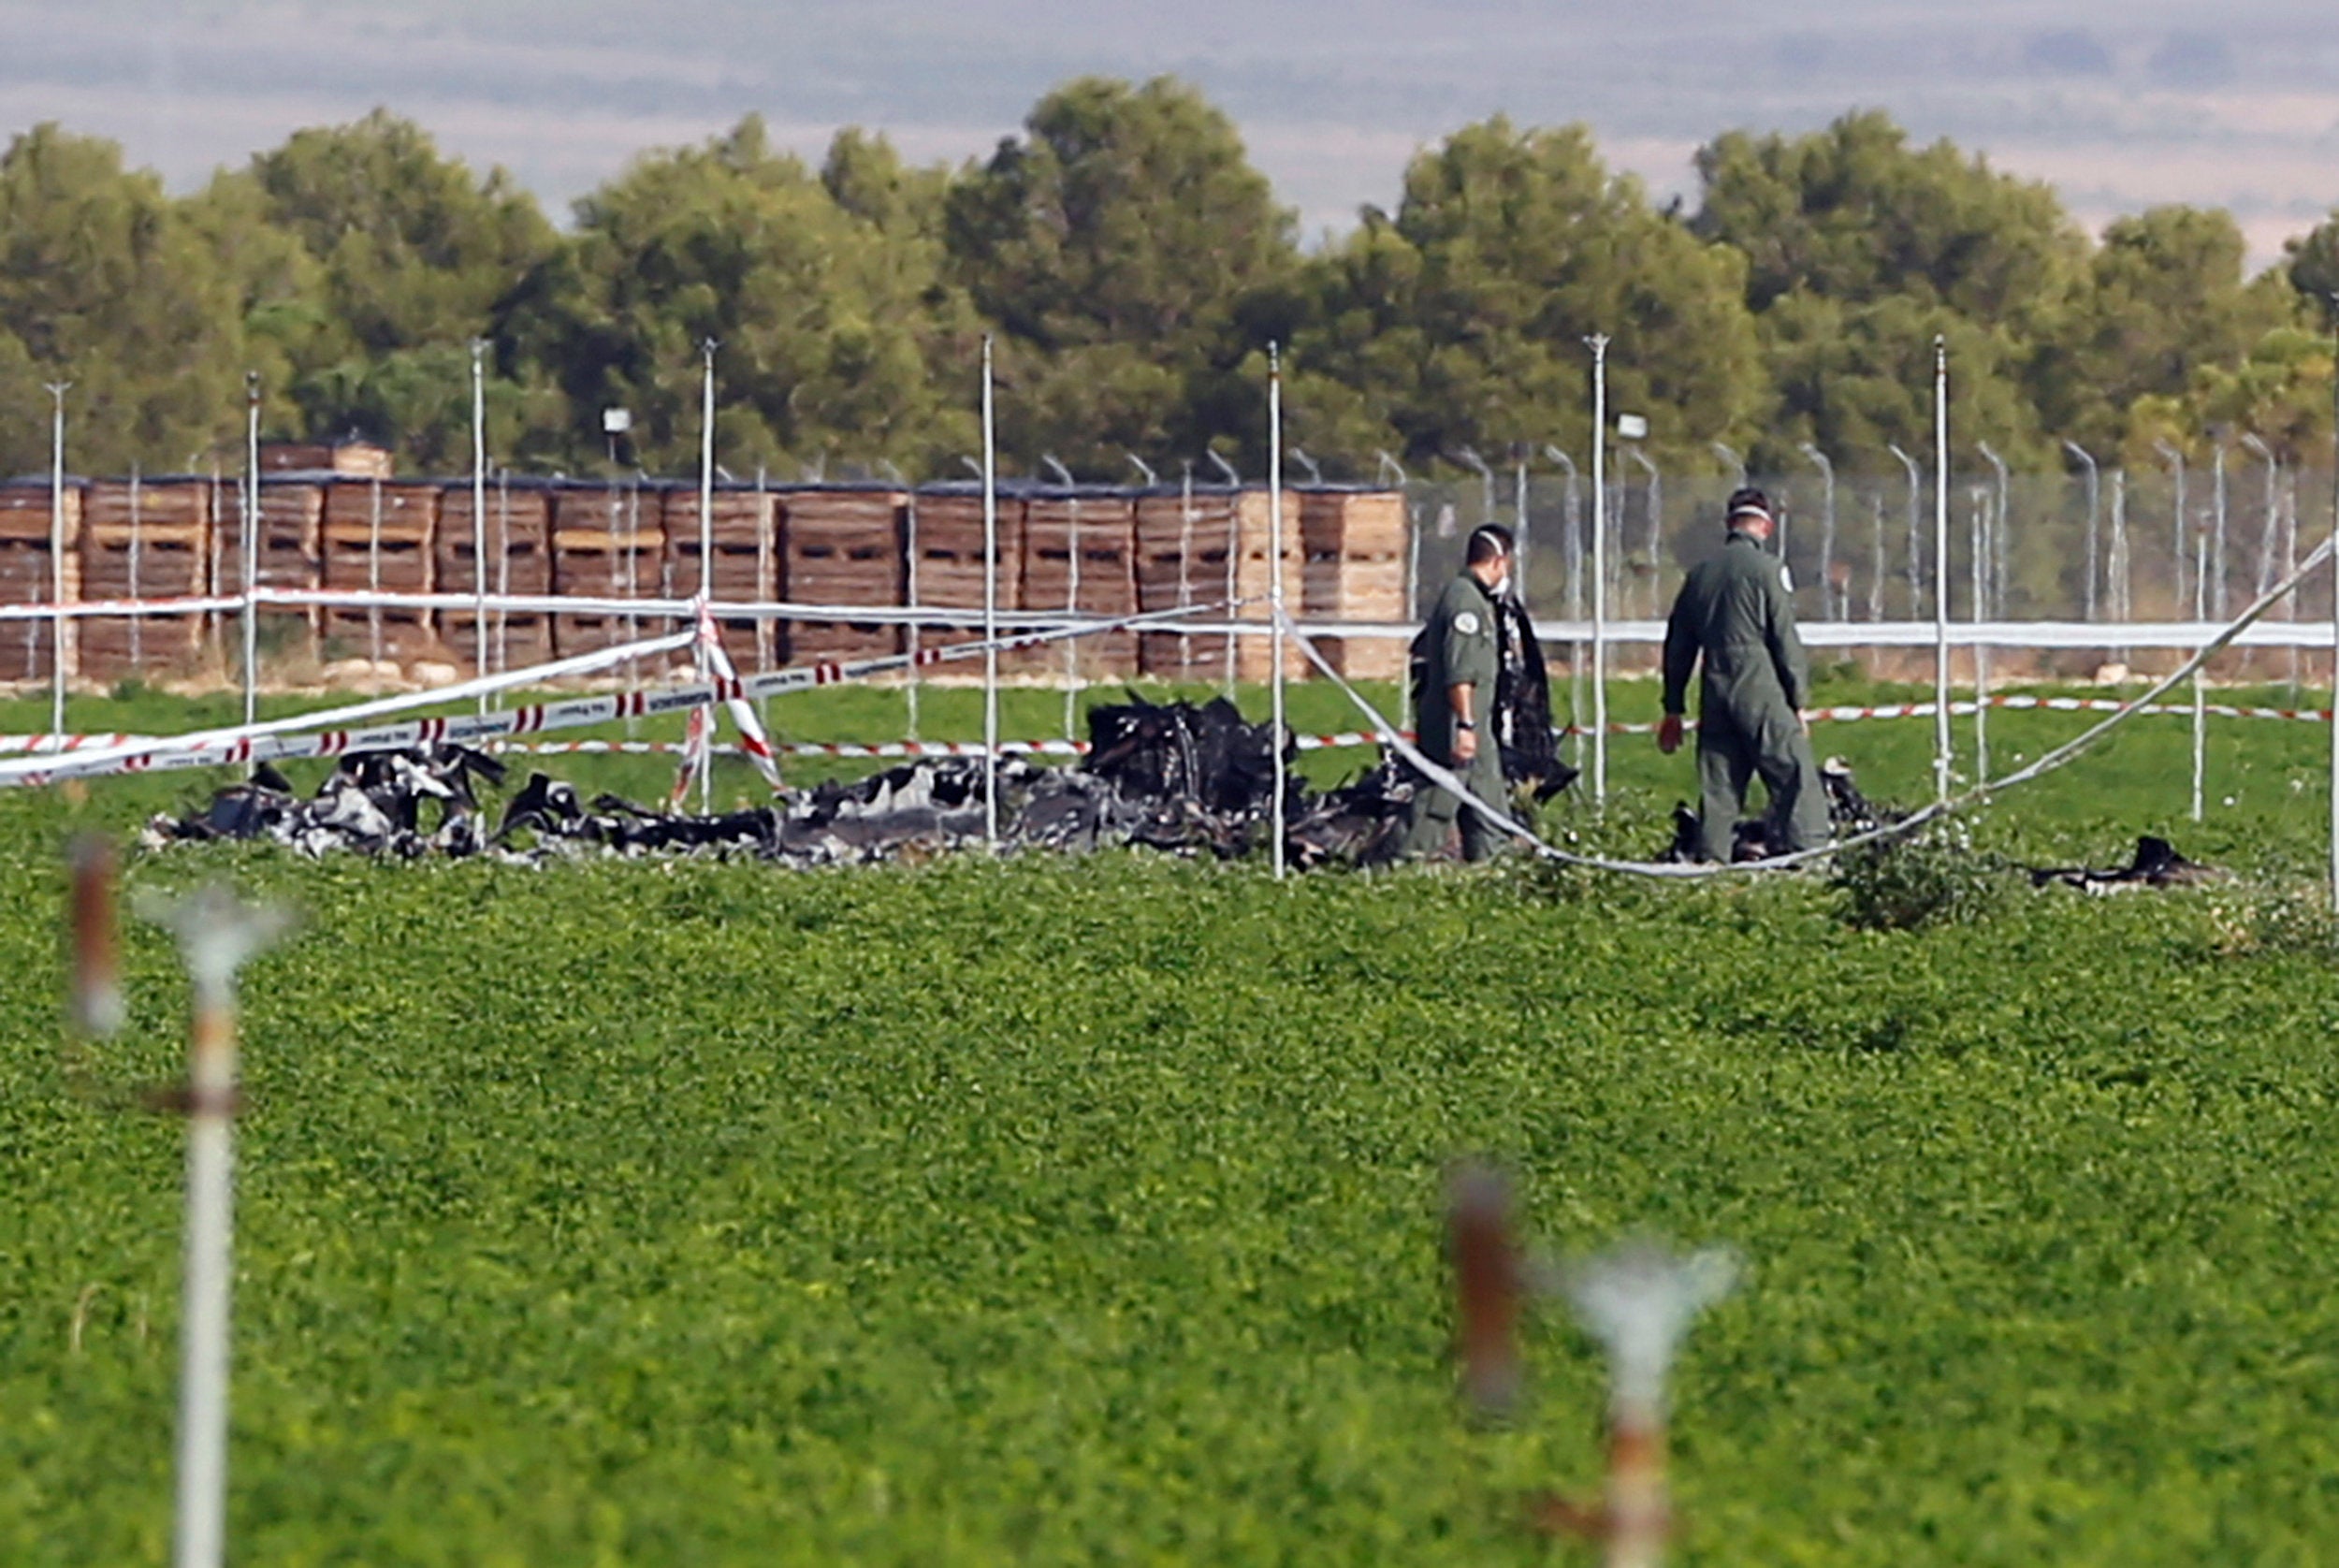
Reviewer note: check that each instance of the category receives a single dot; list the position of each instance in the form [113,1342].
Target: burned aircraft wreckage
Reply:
[1179,777]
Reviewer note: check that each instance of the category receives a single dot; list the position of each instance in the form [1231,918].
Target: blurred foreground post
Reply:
[1486,1289]
[1638,1301]
[95,1008]
[217,933]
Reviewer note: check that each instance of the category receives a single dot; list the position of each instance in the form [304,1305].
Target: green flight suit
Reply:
[1459,650]
[1734,611]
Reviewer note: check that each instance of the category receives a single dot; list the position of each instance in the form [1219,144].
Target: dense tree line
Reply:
[1133,267]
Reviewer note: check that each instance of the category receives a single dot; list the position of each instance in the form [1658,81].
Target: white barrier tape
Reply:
[2069,635]
[272,741]
[1342,740]
[948,617]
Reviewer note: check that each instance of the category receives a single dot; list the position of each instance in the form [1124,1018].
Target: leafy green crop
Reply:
[1085,1212]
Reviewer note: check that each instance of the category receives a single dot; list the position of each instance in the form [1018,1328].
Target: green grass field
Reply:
[1086,1211]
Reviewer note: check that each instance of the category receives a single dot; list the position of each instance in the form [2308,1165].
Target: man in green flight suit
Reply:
[1734,611]
[1458,662]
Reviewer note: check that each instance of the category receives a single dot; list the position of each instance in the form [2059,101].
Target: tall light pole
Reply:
[2095,513]
[990,610]
[1827,530]
[57,660]
[1275,575]
[1941,567]
[479,513]
[1599,342]
[251,535]
[2334,300]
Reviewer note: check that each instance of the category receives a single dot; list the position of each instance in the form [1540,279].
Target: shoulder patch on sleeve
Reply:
[1468,623]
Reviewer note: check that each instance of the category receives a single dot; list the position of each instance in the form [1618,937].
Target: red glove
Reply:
[1669,735]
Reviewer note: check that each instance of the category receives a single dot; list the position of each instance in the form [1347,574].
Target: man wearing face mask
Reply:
[1734,612]
[1459,659]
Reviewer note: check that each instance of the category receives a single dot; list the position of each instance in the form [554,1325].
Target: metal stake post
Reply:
[1940,568]
[1599,342]
[1275,576]
[990,611]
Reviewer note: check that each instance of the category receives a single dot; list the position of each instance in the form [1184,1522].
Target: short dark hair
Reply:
[1746,499]
[1489,542]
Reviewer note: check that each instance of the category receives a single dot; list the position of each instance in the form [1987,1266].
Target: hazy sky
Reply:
[2122,103]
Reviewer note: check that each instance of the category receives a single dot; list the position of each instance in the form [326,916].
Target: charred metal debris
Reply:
[1183,779]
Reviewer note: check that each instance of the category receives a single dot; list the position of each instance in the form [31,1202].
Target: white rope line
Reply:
[2067,635]
[324,734]
[1344,740]
[15,769]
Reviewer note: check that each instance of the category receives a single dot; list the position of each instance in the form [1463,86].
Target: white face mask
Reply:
[1502,586]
